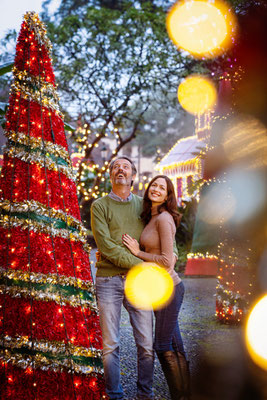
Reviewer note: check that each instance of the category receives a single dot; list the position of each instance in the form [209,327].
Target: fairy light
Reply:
[199,255]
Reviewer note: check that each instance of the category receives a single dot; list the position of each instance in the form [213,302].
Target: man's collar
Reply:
[118,198]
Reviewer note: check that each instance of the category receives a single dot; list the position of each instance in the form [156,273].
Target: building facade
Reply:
[183,164]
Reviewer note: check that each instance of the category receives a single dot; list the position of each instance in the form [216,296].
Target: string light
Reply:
[36,234]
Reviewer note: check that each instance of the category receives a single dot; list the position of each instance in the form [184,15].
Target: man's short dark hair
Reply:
[134,170]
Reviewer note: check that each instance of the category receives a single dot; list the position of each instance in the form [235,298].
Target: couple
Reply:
[119,221]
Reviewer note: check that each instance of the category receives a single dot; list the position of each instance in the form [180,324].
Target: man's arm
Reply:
[117,254]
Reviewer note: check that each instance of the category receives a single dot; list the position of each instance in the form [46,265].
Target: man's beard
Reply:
[123,180]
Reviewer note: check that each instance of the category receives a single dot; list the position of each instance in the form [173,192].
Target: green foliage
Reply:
[4,69]
[7,67]
[194,186]
[111,60]
[115,62]
[162,128]
[69,127]
[3,109]
[182,258]
[7,52]
[87,180]
[184,233]
[182,254]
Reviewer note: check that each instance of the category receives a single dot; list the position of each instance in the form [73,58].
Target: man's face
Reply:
[121,173]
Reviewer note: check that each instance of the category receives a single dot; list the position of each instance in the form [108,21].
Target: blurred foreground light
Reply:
[249,190]
[197,94]
[148,286]
[262,271]
[256,333]
[237,199]
[204,28]
[245,141]
[217,205]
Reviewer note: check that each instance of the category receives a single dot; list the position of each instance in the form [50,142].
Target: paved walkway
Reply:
[204,338]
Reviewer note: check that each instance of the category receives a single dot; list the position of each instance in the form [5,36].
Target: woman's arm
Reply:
[166,231]
[131,243]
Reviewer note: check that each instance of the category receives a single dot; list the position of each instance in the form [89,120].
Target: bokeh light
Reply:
[201,27]
[249,191]
[262,271]
[238,199]
[197,94]
[217,205]
[148,286]
[245,141]
[256,333]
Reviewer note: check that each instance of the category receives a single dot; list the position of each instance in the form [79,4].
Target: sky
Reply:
[12,11]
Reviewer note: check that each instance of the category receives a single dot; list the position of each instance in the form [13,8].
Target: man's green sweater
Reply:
[110,219]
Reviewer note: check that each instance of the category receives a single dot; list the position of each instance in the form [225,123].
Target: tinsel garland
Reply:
[38,27]
[40,361]
[38,158]
[50,321]
[37,89]
[36,226]
[57,297]
[35,207]
[36,143]
[32,83]
[34,120]
[53,347]
[28,215]
[41,180]
[66,291]
[47,279]
[48,292]
[28,92]
[48,255]
[78,355]
[58,160]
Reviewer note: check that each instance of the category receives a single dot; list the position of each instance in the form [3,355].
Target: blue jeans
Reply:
[110,298]
[167,332]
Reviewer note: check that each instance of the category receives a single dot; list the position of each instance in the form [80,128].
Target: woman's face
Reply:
[157,192]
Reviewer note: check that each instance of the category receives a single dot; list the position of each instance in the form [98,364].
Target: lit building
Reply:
[183,163]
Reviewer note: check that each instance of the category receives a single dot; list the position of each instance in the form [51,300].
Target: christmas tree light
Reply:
[50,337]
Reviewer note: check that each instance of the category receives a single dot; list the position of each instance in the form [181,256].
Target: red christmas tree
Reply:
[50,344]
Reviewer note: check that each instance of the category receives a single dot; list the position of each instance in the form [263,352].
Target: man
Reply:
[112,216]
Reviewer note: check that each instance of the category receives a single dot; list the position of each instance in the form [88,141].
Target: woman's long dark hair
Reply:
[169,205]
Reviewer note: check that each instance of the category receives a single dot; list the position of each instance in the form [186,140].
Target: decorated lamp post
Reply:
[50,340]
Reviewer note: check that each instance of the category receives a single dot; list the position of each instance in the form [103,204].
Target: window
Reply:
[189,181]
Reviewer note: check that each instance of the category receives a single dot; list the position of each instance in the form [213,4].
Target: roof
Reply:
[184,150]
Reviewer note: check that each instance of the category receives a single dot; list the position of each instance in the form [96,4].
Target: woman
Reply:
[161,218]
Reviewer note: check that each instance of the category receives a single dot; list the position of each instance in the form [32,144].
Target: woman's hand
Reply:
[98,255]
[131,244]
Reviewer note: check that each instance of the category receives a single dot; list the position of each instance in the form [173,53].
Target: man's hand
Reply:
[131,244]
